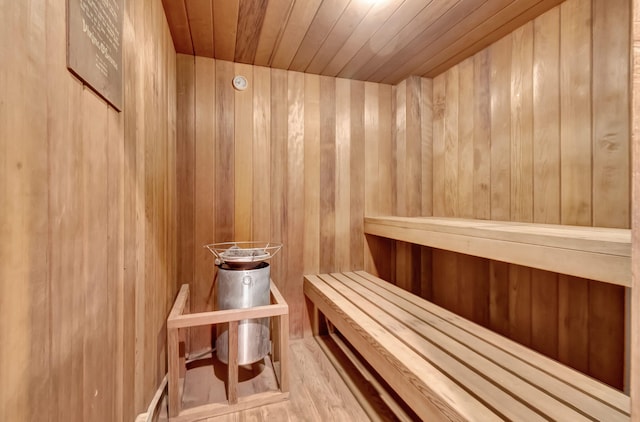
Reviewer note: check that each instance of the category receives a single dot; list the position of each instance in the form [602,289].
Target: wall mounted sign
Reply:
[94,46]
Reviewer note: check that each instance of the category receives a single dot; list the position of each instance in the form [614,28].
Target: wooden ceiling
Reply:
[372,40]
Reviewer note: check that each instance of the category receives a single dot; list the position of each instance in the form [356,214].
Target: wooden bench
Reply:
[594,253]
[446,367]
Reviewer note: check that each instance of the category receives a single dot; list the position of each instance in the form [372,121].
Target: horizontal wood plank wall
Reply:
[295,158]
[87,220]
[536,128]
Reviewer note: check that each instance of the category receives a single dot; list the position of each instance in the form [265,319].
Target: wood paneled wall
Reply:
[295,158]
[635,211]
[87,220]
[533,128]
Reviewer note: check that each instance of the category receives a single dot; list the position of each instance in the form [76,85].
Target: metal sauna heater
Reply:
[243,281]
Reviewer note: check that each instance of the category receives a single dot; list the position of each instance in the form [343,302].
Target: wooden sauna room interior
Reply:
[452,182]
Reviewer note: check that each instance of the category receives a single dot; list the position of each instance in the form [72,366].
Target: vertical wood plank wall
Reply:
[635,210]
[536,128]
[87,220]
[295,158]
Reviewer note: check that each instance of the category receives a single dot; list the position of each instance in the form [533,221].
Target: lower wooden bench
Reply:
[446,367]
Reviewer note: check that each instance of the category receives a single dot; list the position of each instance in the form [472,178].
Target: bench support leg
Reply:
[318,320]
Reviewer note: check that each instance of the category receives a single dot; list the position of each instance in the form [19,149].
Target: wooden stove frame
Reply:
[178,323]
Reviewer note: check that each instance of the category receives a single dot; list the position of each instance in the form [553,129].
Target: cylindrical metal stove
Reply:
[241,288]
[243,281]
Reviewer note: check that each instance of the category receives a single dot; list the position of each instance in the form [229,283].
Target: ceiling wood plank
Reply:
[352,16]
[442,40]
[250,19]
[349,20]
[504,29]
[371,23]
[385,42]
[277,14]
[225,27]
[327,16]
[301,17]
[200,15]
[401,19]
[433,40]
[176,13]
[411,42]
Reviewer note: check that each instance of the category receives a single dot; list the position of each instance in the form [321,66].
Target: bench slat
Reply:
[403,369]
[512,371]
[563,373]
[445,366]
[486,391]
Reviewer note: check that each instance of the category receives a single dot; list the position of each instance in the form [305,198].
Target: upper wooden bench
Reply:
[448,368]
[602,254]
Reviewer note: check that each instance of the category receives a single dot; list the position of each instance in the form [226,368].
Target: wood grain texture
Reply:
[73,189]
[370,25]
[24,219]
[610,164]
[437,34]
[376,178]
[225,160]
[482,135]
[385,39]
[293,32]
[176,13]
[522,124]
[529,14]
[465,131]
[343,174]
[277,12]
[94,133]
[327,172]
[500,129]
[381,42]
[546,173]
[251,16]
[610,117]
[185,165]
[575,109]
[278,163]
[295,202]
[312,173]
[326,17]
[426,133]
[634,322]
[399,107]
[204,196]
[508,107]
[200,17]
[243,154]
[261,213]
[225,28]
[513,90]
[576,153]
[596,252]
[357,174]
[439,96]
[349,20]
[367,310]
[308,139]
[546,115]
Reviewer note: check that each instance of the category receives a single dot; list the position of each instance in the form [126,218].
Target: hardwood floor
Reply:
[318,393]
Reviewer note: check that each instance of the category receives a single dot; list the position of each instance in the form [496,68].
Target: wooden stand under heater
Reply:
[180,320]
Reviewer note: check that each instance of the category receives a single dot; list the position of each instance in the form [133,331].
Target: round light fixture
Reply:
[240,83]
